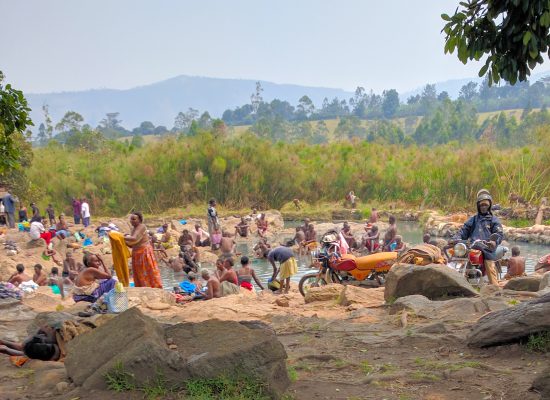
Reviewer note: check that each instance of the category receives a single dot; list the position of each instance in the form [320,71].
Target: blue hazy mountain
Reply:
[160,102]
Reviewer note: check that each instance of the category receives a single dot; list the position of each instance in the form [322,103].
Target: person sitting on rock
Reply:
[93,281]
[212,285]
[391,233]
[185,239]
[262,225]
[242,228]
[398,244]
[71,267]
[371,238]
[189,256]
[20,276]
[543,264]
[348,235]
[39,277]
[516,264]
[202,237]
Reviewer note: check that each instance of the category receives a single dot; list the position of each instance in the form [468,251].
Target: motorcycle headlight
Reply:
[460,250]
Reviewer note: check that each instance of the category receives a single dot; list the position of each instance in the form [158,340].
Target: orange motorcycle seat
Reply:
[373,260]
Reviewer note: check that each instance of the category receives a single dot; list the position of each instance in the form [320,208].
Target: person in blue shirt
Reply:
[484,226]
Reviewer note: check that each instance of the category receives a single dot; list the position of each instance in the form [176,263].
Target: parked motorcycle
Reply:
[334,267]
[467,259]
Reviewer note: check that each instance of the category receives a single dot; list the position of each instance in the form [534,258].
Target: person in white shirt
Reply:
[202,237]
[85,212]
[38,231]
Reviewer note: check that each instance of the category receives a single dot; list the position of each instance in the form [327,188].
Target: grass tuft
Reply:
[539,342]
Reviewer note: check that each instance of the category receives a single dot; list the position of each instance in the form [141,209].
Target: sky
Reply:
[67,45]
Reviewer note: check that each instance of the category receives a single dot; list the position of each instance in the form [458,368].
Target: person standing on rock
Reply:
[9,208]
[77,210]
[212,218]
[144,266]
[51,214]
[484,226]
[85,212]
[287,266]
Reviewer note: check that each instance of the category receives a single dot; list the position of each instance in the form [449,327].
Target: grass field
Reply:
[333,123]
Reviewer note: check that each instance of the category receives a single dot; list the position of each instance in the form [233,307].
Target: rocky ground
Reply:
[341,345]
[342,342]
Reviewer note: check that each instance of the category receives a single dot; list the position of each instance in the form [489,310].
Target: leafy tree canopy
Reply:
[512,33]
[14,119]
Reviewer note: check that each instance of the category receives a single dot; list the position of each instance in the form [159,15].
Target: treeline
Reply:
[247,170]
[369,105]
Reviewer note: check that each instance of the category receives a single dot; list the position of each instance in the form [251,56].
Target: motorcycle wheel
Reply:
[308,281]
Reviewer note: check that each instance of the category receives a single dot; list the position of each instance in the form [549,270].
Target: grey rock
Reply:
[453,309]
[542,385]
[438,327]
[138,344]
[436,282]
[524,283]
[545,281]
[512,324]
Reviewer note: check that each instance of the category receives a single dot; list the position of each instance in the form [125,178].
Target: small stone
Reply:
[282,302]
[173,346]
[169,341]
[61,387]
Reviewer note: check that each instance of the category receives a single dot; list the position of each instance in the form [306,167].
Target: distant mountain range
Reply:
[160,102]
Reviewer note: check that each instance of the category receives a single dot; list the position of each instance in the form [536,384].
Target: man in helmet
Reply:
[484,226]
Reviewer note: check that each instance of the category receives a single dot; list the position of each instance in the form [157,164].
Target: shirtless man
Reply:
[262,225]
[229,274]
[220,269]
[516,264]
[370,239]
[39,277]
[20,276]
[71,267]
[298,239]
[348,235]
[212,285]
[391,233]
[227,245]
[202,237]
[185,239]
[93,281]
[373,219]
[242,228]
[262,248]
[297,204]
[176,264]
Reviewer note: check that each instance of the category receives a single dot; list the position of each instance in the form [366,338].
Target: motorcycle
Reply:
[467,259]
[333,267]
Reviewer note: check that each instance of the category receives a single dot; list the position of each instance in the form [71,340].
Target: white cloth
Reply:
[36,229]
[85,210]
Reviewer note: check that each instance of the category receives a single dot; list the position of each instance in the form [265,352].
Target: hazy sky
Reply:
[60,45]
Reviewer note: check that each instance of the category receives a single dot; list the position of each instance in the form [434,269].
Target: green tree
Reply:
[305,108]
[14,120]
[137,141]
[390,102]
[71,122]
[42,138]
[514,34]
[468,91]
[48,121]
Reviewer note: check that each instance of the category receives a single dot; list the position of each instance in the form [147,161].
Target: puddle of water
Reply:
[411,232]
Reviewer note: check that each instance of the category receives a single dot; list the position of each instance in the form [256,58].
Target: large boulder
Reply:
[323,293]
[545,281]
[146,350]
[524,283]
[512,324]
[213,348]
[542,385]
[436,282]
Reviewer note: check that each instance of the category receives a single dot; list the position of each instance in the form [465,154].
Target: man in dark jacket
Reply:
[484,226]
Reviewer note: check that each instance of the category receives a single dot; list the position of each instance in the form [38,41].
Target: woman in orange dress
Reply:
[144,266]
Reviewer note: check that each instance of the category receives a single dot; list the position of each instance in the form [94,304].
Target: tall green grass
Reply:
[247,170]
